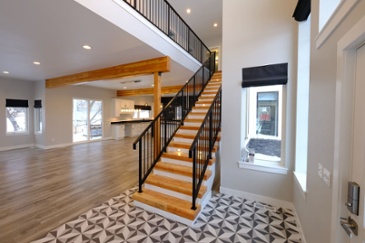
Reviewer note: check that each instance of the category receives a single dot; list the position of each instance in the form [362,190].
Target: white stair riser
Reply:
[193,124]
[183,140]
[186,131]
[171,175]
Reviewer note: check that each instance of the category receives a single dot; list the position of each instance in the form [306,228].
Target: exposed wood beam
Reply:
[161,64]
[149,91]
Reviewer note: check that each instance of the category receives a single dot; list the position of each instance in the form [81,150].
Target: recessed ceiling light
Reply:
[5,72]
[152,85]
[124,87]
[215,25]
[36,63]
[87,47]
[188,10]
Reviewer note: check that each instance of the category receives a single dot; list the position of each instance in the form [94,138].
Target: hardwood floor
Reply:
[41,189]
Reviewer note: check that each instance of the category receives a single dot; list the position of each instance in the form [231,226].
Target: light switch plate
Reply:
[320,170]
[327,177]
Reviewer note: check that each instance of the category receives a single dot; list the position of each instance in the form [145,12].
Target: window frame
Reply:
[251,104]
[26,129]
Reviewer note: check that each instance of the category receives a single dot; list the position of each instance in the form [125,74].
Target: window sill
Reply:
[269,167]
[17,133]
[301,181]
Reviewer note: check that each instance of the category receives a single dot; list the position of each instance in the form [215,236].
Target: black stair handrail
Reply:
[162,15]
[203,144]
[155,138]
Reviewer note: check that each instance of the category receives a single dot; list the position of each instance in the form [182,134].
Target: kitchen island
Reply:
[129,127]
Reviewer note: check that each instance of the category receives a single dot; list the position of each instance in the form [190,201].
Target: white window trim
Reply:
[333,22]
[301,182]
[258,165]
[277,167]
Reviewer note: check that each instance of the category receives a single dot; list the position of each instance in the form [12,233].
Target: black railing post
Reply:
[165,129]
[140,167]
[194,180]
[210,134]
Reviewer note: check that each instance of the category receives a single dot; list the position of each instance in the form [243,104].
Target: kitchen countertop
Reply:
[131,121]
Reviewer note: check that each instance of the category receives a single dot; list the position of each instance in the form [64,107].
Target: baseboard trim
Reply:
[299,226]
[255,197]
[16,147]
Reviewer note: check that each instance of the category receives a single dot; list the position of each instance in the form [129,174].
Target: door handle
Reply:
[350,226]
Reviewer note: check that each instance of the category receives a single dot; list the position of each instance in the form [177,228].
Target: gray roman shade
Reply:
[38,104]
[16,103]
[302,10]
[274,74]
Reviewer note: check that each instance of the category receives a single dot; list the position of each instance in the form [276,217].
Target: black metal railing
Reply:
[202,146]
[161,14]
[155,138]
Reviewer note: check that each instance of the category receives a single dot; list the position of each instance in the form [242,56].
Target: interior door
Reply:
[358,146]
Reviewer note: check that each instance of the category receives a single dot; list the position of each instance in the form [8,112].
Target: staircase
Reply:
[168,188]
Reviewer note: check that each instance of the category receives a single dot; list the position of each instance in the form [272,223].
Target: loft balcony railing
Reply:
[161,14]
[156,137]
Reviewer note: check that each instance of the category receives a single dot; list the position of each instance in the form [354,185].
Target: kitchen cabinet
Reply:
[122,106]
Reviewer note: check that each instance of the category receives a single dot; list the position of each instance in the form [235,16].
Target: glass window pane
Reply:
[16,119]
[267,113]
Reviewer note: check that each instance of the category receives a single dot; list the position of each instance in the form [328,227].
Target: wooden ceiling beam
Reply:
[146,67]
[149,91]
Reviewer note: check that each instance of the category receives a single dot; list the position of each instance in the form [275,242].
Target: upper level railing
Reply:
[164,17]
[203,144]
[155,139]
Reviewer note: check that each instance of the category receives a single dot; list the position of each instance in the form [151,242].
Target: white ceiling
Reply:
[53,33]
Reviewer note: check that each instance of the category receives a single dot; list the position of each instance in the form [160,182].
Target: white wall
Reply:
[58,111]
[16,89]
[255,33]
[315,211]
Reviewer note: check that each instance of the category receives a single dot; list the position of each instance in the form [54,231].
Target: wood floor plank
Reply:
[42,189]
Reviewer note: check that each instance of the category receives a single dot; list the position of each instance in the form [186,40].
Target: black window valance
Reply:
[302,10]
[38,104]
[16,103]
[142,107]
[265,75]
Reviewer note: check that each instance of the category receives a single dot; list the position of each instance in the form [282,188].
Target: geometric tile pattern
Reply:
[225,219]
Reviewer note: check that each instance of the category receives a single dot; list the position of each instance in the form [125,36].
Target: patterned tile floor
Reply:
[225,219]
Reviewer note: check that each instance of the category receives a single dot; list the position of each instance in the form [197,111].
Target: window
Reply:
[264,122]
[87,120]
[142,111]
[302,103]
[38,116]
[16,116]
[326,9]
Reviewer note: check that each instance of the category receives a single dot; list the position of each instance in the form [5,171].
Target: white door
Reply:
[358,147]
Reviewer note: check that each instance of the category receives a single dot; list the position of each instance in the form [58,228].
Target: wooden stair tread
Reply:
[179,145]
[182,157]
[177,155]
[191,136]
[180,169]
[189,127]
[176,185]
[167,203]
[196,120]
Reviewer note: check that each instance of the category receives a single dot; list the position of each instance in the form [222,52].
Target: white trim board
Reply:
[346,59]
[16,147]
